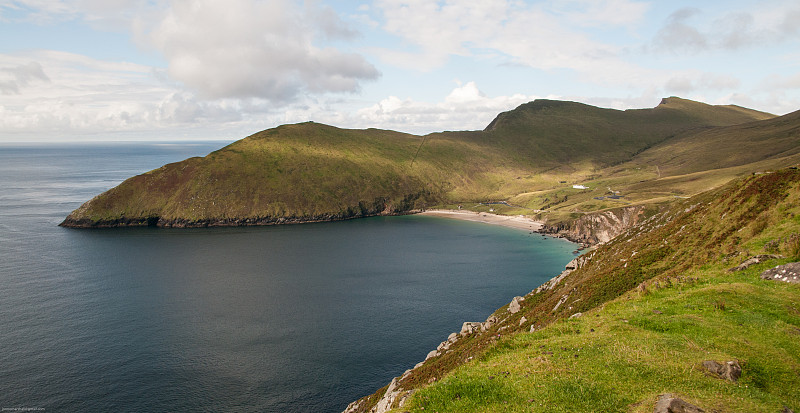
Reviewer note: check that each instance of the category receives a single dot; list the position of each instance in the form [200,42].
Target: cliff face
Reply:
[598,228]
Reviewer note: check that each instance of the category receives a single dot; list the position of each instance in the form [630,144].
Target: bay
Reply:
[300,318]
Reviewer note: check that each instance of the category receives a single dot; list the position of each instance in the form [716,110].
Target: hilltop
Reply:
[638,317]
[528,158]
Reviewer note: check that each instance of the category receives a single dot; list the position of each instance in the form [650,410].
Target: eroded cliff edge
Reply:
[599,227]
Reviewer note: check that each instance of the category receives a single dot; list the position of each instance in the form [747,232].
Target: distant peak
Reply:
[674,100]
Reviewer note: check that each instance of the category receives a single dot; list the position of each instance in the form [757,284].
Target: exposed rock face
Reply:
[514,307]
[600,227]
[492,320]
[470,327]
[571,266]
[753,261]
[789,273]
[392,394]
[729,370]
[669,403]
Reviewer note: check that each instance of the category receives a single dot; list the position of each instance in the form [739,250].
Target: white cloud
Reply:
[111,15]
[246,48]
[783,82]
[465,108]
[678,35]
[74,95]
[691,81]
[548,36]
[602,13]
[692,30]
[539,36]
[13,78]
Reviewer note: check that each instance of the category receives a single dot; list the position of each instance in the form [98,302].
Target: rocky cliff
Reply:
[599,227]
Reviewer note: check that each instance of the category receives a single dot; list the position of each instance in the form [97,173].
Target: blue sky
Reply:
[76,70]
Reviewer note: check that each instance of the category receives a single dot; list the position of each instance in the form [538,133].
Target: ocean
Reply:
[298,318]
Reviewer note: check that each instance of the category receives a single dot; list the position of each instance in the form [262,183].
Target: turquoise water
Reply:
[302,318]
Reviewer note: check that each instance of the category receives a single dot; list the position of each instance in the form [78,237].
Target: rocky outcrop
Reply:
[756,259]
[669,403]
[789,273]
[573,265]
[514,307]
[729,370]
[393,394]
[598,227]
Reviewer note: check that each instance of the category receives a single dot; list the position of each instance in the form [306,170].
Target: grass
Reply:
[621,356]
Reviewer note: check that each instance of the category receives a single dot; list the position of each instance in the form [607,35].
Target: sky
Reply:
[97,70]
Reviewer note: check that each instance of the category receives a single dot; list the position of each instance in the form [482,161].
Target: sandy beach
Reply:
[516,221]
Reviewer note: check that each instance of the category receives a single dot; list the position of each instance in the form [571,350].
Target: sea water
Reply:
[299,318]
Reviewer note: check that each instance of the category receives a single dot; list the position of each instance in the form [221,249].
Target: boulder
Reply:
[492,320]
[669,403]
[754,260]
[469,327]
[514,307]
[789,273]
[729,370]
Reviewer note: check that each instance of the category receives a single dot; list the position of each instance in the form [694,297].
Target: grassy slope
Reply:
[316,172]
[656,302]
[686,164]
[304,170]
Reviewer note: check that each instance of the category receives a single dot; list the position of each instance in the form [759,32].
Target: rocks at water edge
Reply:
[669,403]
[729,370]
[789,273]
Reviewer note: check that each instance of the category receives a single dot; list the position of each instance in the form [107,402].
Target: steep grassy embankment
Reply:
[311,172]
[651,305]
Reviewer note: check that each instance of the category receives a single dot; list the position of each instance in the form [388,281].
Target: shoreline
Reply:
[515,221]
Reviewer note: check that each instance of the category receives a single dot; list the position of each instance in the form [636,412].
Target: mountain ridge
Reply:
[310,172]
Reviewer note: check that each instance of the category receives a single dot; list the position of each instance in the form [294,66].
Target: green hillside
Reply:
[639,318]
[528,157]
